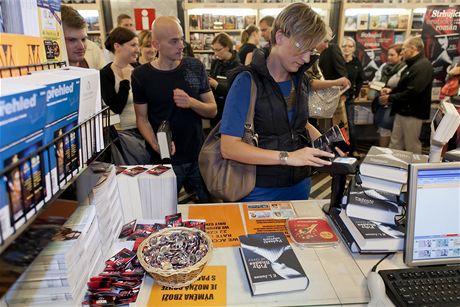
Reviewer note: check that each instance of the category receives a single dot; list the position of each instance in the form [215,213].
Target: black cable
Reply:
[374,268]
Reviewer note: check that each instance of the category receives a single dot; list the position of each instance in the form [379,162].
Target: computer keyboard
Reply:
[424,286]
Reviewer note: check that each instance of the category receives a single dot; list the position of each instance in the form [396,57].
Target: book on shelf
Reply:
[393,21]
[370,204]
[372,236]
[386,163]
[271,264]
[350,23]
[374,22]
[362,21]
[195,22]
[403,21]
[164,138]
[383,22]
[417,20]
[381,184]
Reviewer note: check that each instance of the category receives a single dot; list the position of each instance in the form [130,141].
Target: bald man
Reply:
[176,89]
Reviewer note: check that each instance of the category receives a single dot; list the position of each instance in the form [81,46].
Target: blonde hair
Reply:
[247,33]
[349,39]
[145,38]
[416,42]
[299,22]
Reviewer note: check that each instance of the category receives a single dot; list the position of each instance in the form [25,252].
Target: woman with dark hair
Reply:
[249,42]
[146,51]
[116,93]
[389,74]
[225,60]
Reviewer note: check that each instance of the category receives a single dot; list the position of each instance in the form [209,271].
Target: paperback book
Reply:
[386,163]
[372,236]
[370,204]
[271,264]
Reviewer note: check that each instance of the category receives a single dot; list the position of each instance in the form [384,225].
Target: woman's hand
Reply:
[213,82]
[342,83]
[309,156]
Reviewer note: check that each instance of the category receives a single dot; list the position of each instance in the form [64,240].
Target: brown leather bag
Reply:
[229,180]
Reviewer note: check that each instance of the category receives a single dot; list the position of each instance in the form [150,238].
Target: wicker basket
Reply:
[180,277]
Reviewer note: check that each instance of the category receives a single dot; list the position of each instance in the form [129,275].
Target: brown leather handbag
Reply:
[225,179]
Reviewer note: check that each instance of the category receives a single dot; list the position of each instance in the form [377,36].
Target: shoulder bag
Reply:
[225,179]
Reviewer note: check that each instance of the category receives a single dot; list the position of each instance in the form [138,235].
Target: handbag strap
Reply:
[249,124]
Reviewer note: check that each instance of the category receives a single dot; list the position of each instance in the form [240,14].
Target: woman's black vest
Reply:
[272,125]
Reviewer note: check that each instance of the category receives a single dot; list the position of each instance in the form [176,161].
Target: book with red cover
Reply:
[311,231]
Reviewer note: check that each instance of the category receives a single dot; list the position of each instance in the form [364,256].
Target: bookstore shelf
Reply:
[94,16]
[86,134]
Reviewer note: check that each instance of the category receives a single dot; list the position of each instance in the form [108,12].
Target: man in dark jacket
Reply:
[411,99]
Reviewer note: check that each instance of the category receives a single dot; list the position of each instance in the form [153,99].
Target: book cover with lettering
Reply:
[271,264]
[441,37]
[373,236]
[372,48]
[370,204]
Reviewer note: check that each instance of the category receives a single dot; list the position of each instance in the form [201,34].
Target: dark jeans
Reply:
[191,173]
[350,106]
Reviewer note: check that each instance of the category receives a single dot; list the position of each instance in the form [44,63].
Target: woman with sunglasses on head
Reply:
[117,95]
[225,60]
[283,156]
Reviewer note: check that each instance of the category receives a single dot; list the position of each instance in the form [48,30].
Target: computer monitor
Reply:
[433,214]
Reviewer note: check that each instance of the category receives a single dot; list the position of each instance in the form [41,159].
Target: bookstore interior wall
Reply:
[204,20]
[94,16]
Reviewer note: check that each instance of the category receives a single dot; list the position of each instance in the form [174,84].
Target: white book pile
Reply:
[106,199]
[146,195]
[59,273]
[385,169]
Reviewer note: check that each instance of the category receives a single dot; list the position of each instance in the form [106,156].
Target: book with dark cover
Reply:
[374,205]
[343,231]
[386,163]
[372,236]
[271,264]
[164,138]
[332,138]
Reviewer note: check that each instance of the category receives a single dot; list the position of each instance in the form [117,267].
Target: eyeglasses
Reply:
[348,46]
[217,49]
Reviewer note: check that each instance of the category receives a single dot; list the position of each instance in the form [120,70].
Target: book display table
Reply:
[336,277]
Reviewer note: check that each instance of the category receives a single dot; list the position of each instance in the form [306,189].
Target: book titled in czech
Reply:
[271,264]
[369,204]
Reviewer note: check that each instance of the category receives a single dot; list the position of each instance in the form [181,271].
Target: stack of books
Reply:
[106,199]
[147,191]
[368,222]
[58,274]
[386,169]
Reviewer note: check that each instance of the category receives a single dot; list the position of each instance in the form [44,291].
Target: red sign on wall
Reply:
[144,18]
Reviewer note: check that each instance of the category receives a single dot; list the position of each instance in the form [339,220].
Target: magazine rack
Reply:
[85,133]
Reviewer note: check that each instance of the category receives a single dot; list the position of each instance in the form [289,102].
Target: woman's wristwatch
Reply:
[284,155]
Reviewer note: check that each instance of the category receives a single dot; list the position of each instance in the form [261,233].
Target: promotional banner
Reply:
[371,50]
[440,34]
